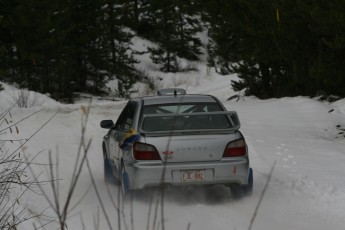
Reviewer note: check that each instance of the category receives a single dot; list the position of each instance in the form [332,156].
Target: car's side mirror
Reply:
[107,124]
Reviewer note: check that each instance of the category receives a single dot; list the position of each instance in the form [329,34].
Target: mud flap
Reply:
[108,177]
[239,191]
[125,182]
[250,179]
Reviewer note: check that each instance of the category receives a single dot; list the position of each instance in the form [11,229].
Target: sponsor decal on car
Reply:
[130,137]
[168,154]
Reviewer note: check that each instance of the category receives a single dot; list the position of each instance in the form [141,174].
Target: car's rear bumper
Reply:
[150,174]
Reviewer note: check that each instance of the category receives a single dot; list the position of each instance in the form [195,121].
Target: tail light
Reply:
[237,148]
[143,151]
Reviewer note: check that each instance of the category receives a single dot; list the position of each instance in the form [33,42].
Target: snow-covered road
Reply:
[307,189]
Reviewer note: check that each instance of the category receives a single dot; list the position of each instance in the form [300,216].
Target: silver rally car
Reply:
[176,139]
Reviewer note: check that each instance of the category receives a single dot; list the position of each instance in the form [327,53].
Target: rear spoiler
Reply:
[231,115]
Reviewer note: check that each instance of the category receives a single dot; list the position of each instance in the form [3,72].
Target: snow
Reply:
[301,136]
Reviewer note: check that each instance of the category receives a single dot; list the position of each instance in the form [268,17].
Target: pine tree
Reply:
[82,53]
[65,46]
[29,26]
[296,45]
[188,25]
[6,40]
[326,24]
[284,48]
[242,42]
[175,26]
[118,40]
[164,19]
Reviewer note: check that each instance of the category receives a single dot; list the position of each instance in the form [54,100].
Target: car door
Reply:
[122,126]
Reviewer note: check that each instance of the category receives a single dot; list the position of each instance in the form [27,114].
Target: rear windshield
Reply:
[185,122]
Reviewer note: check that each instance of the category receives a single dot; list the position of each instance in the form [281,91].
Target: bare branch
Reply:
[16,123]
[97,192]
[262,196]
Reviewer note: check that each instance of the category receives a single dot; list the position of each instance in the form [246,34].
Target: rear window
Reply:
[166,119]
[182,108]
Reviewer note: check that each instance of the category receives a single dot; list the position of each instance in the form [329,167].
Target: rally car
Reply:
[176,139]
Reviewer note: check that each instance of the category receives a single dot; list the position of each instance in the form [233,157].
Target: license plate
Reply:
[193,175]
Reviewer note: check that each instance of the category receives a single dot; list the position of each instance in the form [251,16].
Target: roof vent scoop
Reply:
[171,91]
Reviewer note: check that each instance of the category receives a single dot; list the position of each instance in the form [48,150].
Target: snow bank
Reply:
[24,98]
[339,106]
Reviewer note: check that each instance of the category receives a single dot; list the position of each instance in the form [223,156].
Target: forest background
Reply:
[277,48]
